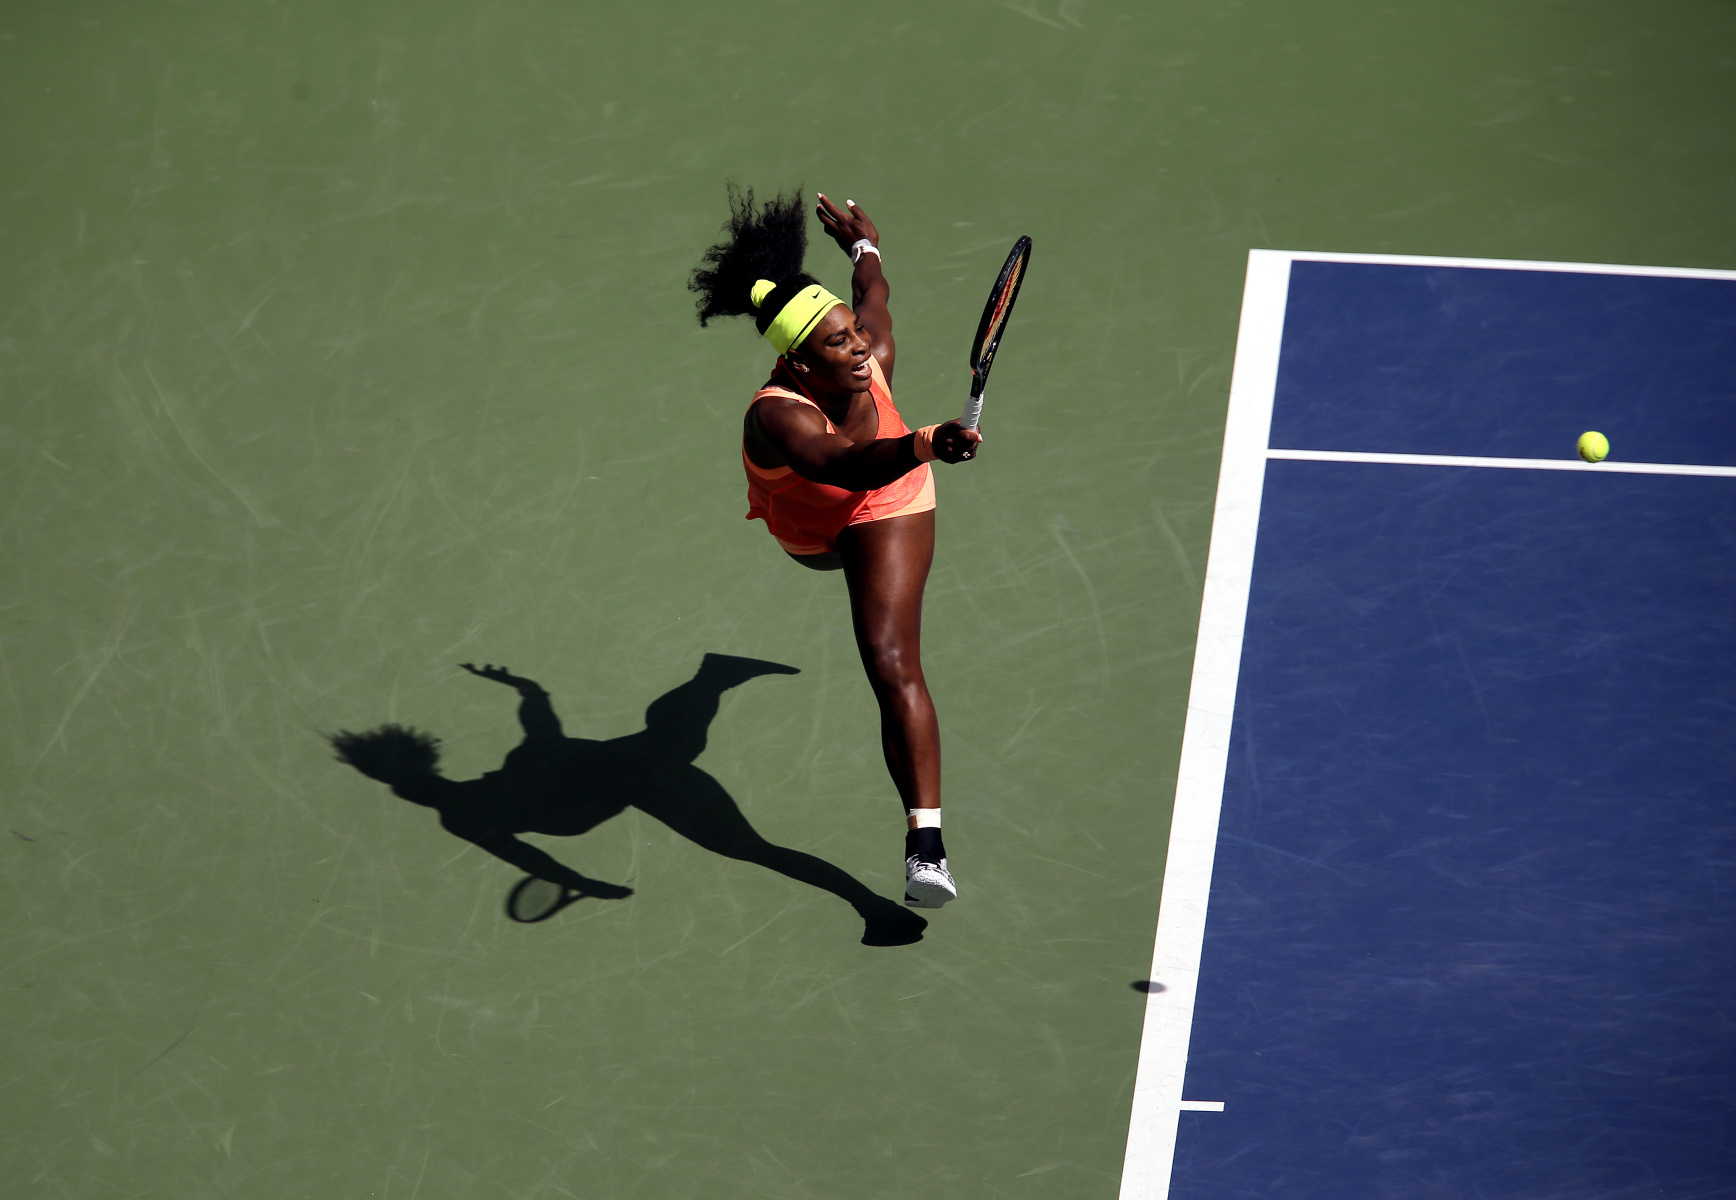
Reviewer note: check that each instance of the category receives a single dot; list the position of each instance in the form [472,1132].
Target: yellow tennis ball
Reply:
[1593,446]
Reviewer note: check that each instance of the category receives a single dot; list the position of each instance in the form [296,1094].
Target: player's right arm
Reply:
[797,434]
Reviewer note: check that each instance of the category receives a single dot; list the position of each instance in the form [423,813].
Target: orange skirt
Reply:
[806,517]
[881,504]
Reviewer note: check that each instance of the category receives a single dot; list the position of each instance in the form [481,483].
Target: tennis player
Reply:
[839,479]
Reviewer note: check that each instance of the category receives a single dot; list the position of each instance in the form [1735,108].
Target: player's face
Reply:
[836,353]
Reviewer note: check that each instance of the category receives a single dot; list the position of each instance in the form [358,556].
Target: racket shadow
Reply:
[532,900]
[565,786]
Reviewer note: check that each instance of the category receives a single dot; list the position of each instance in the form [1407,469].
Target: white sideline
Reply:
[1187,872]
[1187,876]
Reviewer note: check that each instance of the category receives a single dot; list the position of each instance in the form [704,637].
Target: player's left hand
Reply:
[847,225]
[954,443]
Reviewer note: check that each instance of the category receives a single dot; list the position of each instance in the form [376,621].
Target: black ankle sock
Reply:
[925,844]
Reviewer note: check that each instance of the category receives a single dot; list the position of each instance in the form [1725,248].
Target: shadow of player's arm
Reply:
[533,861]
[537,715]
[535,712]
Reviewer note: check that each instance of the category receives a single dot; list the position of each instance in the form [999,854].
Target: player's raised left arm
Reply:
[869,290]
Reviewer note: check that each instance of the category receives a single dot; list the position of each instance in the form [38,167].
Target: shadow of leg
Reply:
[884,922]
[677,721]
[695,805]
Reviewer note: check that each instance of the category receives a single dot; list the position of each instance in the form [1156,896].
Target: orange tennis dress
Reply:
[807,517]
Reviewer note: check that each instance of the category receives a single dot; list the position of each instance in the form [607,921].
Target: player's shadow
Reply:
[554,784]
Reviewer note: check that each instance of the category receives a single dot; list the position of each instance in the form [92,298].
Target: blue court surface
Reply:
[1451,903]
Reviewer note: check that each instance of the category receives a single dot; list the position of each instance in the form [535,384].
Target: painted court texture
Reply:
[340,343]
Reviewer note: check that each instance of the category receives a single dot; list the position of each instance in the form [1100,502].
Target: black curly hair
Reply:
[392,754]
[769,243]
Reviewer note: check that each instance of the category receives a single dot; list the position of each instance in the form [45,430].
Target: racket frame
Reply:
[988,335]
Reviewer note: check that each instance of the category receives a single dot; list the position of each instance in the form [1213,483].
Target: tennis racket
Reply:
[993,324]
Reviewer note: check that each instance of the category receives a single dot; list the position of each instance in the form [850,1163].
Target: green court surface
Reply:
[342,342]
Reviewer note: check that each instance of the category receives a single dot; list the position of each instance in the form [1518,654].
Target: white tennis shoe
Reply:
[927,884]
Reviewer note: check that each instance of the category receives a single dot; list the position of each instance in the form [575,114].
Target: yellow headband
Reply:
[799,316]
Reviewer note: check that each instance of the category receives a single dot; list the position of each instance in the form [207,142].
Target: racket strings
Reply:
[1001,305]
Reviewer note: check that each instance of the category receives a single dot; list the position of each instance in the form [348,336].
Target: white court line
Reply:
[1199,790]
[1163,1047]
[1500,264]
[1526,464]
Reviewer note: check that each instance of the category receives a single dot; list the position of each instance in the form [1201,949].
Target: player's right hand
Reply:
[954,443]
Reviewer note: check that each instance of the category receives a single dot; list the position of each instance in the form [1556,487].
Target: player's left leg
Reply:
[886,567]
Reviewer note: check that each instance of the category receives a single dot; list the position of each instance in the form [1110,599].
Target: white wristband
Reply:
[863,246]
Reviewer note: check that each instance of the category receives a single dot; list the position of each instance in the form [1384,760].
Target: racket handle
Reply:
[973,409]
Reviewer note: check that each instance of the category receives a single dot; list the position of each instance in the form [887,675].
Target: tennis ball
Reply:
[1593,446]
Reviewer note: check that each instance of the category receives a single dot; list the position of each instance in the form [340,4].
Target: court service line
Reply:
[1187,872]
[1527,464]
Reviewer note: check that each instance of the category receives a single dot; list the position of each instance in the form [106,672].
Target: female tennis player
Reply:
[839,479]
